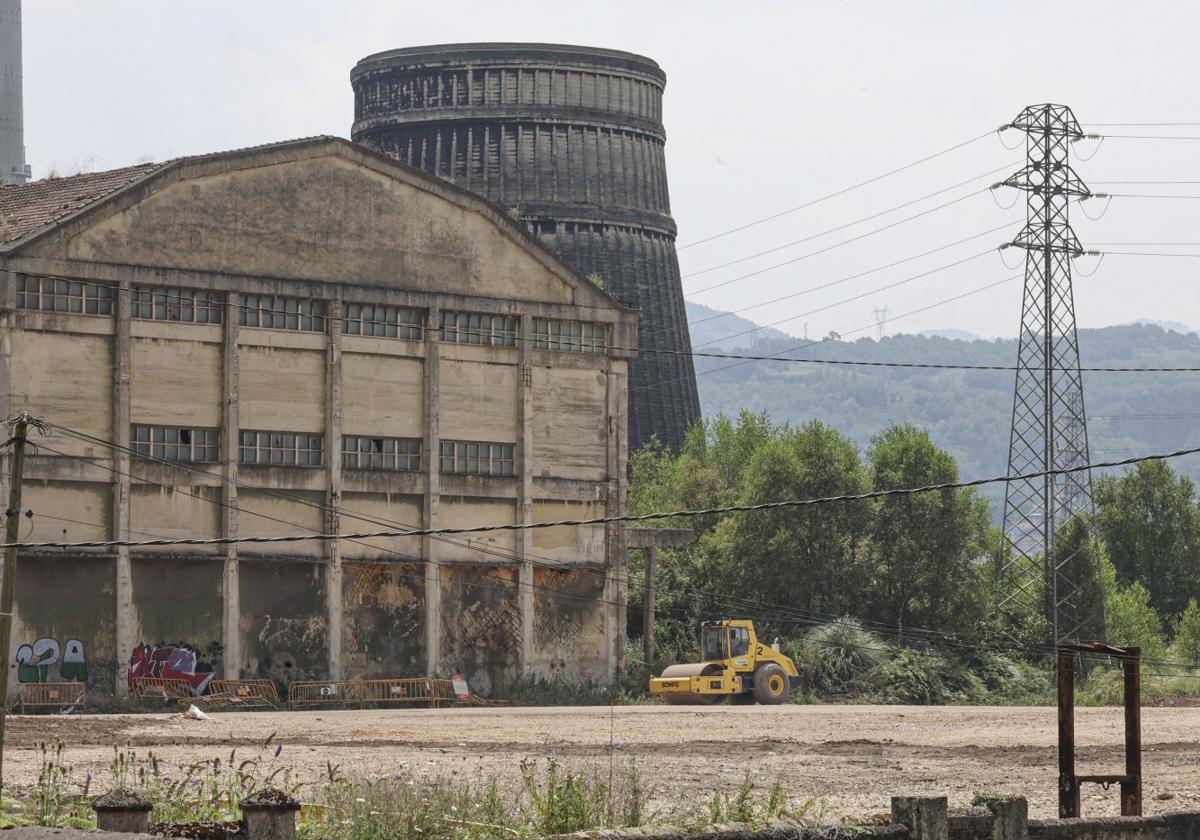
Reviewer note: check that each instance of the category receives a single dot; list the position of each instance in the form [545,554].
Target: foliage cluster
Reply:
[893,598]
[409,804]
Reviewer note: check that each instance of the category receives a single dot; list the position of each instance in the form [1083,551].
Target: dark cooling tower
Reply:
[572,137]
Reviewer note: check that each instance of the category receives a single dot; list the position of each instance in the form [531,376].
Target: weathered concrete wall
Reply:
[384,619]
[568,632]
[63,626]
[480,632]
[334,223]
[284,627]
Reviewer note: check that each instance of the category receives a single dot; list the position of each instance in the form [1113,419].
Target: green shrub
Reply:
[837,655]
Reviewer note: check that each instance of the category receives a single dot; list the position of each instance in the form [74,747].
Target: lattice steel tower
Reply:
[1049,423]
[571,139]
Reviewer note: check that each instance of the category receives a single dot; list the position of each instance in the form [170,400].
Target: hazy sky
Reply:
[768,105]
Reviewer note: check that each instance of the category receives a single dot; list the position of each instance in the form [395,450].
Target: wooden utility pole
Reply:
[8,580]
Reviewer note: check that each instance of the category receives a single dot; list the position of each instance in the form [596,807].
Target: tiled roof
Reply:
[25,208]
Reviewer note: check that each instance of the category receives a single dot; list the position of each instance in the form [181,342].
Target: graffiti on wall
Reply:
[174,662]
[36,662]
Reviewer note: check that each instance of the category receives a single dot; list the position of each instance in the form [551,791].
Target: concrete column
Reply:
[616,587]
[524,466]
[925,817]
[1010,817]
[651,593]
[230,447]
[432,446]
[120,509]
[333,499]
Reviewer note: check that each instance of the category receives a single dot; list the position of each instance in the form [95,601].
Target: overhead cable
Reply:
[605,520]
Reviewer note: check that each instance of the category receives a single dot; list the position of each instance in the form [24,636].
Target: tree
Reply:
[1151,529]
[1132,620]
[1078,558]
[1187,634]
[923,547]
[806,557]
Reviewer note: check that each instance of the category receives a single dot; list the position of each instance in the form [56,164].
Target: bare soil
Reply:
[853,757]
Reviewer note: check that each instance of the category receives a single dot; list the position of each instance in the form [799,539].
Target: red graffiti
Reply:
[168,662]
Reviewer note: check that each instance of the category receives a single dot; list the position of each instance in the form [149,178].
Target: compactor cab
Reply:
[737,667]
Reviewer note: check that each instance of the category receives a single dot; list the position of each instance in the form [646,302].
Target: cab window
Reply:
[714,643]
[740,641]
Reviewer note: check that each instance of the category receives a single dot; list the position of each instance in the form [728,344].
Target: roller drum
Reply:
[688,698]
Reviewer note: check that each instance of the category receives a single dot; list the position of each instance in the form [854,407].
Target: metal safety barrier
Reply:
[51,695]
[158,688]
[416,690]
[247,690]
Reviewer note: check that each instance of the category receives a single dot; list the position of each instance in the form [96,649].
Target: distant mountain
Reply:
[706,324]
[1169,326]
[968,412]
[957,335]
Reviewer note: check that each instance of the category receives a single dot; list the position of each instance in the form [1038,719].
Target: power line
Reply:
[870,326]
[860,296]
[425,328]
[832,247]
[604,520]
[855,222]
[847,279]
[842,191]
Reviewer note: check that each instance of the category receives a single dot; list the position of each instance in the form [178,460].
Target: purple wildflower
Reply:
[278,750]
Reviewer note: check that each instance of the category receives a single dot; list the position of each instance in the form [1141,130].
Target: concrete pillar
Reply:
[432,446]
[925,816]
[333,499]
[123,589]
[616,585]
[524,466]
[651,595]
[269,815]
[123,811]
[1010,817]
[230,447]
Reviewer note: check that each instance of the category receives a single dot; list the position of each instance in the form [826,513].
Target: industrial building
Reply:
[570,140]
[308,337]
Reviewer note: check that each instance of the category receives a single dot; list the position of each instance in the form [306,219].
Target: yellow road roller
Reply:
[737,668]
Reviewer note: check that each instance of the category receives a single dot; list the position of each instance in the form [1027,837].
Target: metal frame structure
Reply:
[1049,423]
[1131,781]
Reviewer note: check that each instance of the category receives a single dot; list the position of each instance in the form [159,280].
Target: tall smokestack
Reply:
[13,169]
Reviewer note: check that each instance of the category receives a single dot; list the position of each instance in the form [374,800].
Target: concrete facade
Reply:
[305,236]
[571,141]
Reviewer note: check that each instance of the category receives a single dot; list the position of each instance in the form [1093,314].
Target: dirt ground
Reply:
[854,757]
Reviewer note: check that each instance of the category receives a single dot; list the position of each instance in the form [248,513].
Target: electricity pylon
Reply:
[1049,423]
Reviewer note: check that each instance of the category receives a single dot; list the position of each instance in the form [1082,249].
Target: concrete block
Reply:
[925,817]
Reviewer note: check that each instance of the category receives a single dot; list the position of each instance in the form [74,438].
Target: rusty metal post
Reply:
[1068,782]
[1131,788]
[651,597]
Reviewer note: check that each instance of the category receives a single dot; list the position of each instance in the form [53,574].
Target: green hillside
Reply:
[968,412]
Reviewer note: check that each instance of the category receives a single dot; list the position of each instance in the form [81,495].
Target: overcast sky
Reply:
[768,105]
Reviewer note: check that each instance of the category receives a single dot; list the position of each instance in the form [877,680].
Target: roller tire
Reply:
[771,685]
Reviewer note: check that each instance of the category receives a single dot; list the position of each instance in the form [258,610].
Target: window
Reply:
[380,453]
[177,305]
[172,443]
[478,328]
[740,638]
[569,336]
[383,321]
[289,449]
[50,294]
[468,458]
[714,643]
[281,313]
